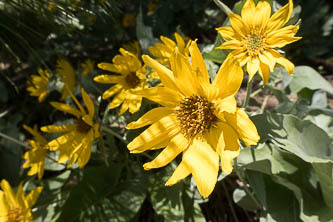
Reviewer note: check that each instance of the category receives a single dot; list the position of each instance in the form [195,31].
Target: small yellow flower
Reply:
[198,119]
[134,48]
[75,144]
[151,8]
[132,76]
[87,67]
[39,84]
[129,20]
[163,51]
[16,207]
[67,75]
[36,156]
[255,36]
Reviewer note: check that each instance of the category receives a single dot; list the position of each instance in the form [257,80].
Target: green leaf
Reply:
[223,7]
[307,77]
[144,33]
[324,172]
[244,200]
[301,137]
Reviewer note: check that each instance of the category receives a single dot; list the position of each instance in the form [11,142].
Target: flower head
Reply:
[163,51]
[75,144]
[87,67]
[198,119]
[255,35]
[17,207]
[36,156]
[39,84]
[132,76]
[67,75]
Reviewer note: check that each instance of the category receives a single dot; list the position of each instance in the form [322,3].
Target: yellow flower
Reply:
[16,207]
[75,144]
[87,67]
[39,84]
[132,76]
[133,47]
[255,36]
[36,156]
[129,20]
[163,51]
[199,119]
[67,74]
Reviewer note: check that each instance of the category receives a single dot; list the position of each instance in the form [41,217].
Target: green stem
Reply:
[247,190]
[110,131]
[248,93]
[14,140]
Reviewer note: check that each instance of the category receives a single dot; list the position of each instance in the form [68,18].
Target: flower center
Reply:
[254,43]
[82,126]
[15,215]
[132,80]
[196,116]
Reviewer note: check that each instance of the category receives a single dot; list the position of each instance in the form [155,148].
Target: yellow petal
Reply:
[231,147]
[247,131]
[134,103]
[108,67]
[198,64]
[9,193]
[264,73]
[66,108]
[89,103]
[262,14]
[232,44]
[227,104]
[227,33]
[164,129]
[164,73]
[108,79]
[33,195]
[203,163]
[229,77]
[180,173]
[177,145]
[4,209]
[289,66]
[180,42]
[58,129]
[150,117]
[112,90]
[252,66]
[238,24]
[281,17]
[268,59]
[161,95]
[124,106]
[248,12]
[61,140]
[118,99]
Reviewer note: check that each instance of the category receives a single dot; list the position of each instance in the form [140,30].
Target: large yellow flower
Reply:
[163,50]
[67,75]
[132,76]
[36,156]
[16,207]
[255,36]
[38,86]
[199,119]
[75,144]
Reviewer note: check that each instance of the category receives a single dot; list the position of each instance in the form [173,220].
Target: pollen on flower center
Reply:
[15,215]
[195,115]
[132,80]
[82,126]
[254,43]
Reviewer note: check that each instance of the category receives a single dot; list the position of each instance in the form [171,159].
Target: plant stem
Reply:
[110,131]
[247,190]
[229,202]
[14,140]
[248,93]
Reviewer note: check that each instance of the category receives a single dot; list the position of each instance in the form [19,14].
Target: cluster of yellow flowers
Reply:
[198,117]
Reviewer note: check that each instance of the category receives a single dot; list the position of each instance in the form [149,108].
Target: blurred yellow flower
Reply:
[16,207]
[134,48]
[87,67]
[255,35]
[36,156]
[67,74]
[75,144]
[38,85]
[163,51]
[198,119]
[151,8]
[129,20]
[132,76]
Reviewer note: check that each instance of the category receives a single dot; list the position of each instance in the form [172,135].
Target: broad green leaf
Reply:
[324,172]
[144,33]
[307,77]
[244,200]
[301,137]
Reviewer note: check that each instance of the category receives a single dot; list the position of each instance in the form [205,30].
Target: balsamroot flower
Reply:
[132,76]
[17,207]
[255,36]
[38,86]
[67,75]
[198,119]
[75,144]
[36,156]
[163,51]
